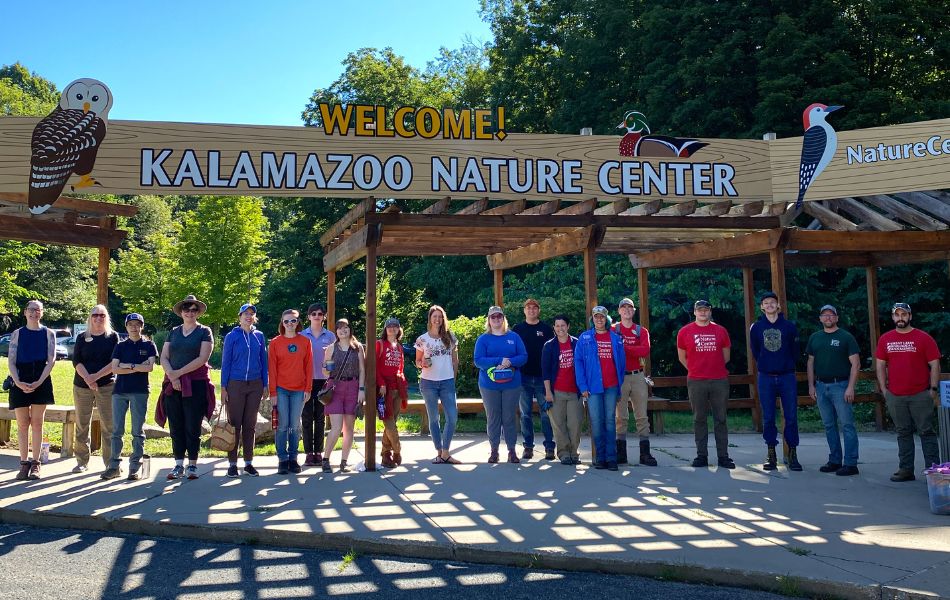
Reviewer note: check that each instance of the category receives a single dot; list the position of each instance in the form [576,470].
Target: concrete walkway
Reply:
[808,533]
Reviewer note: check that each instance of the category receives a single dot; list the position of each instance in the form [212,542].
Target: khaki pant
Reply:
[85,400]
[709,396]
[391,432]
[567,416]
[635,390]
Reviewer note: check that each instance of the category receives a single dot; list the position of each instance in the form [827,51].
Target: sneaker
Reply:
[293,466]
[24,473]
[311,460]
[726,463]
[903,475]
[232,471]
[493,457]
[80,469]
[829,467]
[134,475]
[528,454]
[612,466]
[847,470]
[177,473]
[326,468]
[549,455]
[513,456]
[283,467]
[250,470]
[567,460]
[701,461]
[192,471]
[111,473]
[35,470]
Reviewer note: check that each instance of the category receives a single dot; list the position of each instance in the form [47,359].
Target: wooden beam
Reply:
[354,248]
[499,287]
[747,209]
[777,268]
[679,209]
[874,323]
[613,208]
[590,281]
[474,208]
[437,207]
[743,245]
[872,218]
[774,209]
[869,241]
[559,245]
[80,205]
[545,208]
[543,222]
[511,208]
[905,212]
[348,219]
[748,304]
[331,300]
[370,366]
[713,209]
[829,218]
[930,202]
[644,209]
[643,297]
[27,229]
[580,208]
[102,277]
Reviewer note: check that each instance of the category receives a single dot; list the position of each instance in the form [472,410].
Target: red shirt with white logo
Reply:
[605,352]
[907,356]
[564,381]
[389,363]
[704,346]
[635,347]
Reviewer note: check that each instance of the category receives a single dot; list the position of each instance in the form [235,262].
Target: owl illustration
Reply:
[66,141]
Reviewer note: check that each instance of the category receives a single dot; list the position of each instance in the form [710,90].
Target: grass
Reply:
[740,420]
[348,559]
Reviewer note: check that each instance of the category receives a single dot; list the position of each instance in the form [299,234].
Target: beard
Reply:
[902,324]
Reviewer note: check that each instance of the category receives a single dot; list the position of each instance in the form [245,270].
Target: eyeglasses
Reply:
[290,321]
[98,315]
[316,314]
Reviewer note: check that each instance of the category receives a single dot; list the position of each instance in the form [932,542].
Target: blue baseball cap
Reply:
[245,307]
[134,317]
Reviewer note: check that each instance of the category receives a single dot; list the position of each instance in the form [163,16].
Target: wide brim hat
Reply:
[190,299]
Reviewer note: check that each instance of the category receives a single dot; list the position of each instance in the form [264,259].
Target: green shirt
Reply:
[831,352]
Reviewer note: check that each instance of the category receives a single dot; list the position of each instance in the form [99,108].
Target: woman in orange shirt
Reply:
[290,378]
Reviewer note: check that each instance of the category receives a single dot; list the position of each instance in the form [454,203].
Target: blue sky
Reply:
[223,62]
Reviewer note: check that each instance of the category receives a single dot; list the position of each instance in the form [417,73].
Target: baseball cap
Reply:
[901,306]
[495,310]
[392,322]
[600,310]
[828,307]
[768,294]
[245,307]
[702,304]
[134,317]
[626,301]
[531,301]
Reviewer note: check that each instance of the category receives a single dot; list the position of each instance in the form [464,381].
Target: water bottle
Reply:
[44,450]
[146,468]
[273,418]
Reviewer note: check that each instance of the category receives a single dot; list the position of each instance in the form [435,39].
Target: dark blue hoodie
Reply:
[774,345]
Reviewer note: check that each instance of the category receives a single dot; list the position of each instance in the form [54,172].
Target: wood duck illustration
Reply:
[638,141]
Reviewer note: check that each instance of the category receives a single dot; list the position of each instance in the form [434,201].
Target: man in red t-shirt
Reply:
[703,347]
[634,390]
[908,372]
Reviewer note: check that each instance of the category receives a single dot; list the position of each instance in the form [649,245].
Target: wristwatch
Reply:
[934,388]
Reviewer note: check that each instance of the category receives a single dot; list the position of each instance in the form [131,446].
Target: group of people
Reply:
[311,373]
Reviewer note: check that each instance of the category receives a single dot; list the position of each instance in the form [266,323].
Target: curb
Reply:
[682,572]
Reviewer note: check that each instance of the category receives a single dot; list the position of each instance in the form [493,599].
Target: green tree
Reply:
[15,258]
[25,94]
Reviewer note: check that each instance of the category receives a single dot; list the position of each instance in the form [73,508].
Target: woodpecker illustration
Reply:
[635,143]
[818,146]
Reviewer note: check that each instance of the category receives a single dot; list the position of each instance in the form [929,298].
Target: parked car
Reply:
[70,345]
[61,350]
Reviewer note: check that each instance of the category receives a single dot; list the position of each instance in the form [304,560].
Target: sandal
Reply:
[438,460]
[451,461]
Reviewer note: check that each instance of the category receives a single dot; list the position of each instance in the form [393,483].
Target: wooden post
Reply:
[102,278]
[331,300]
[590,280]
[874,331]
[643,297]
[369,419]
[748,298]
[777,264]
[499,287]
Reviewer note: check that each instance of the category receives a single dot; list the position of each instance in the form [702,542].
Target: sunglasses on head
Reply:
[290,321]
[901,306]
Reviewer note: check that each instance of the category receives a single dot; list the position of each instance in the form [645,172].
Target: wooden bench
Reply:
[56,414]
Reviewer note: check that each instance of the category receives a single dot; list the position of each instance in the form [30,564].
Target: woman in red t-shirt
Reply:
[390,383]
[560,391]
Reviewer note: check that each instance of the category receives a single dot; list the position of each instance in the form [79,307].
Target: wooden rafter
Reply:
[679,209]
[752,243]
[905,213]
[747,209]
[579,208]
[829,218]
[645,208]
[510,208]
[53,232]
[869,241]
[77,205]
[474,208]
[613,208]
[438,207]
[713,209]
[935,203]
[559,245]
[545,208]
[348,219]
[868,216]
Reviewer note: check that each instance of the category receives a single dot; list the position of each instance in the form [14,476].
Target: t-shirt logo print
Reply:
[292,348]
[773,339]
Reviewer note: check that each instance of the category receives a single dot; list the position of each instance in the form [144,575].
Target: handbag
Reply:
[223,434]
[325,395]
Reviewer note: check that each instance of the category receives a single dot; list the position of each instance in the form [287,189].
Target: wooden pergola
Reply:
[848,232]
[70,222]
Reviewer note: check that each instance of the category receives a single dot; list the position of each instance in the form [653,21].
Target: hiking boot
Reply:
[493,457]
[829,467]
[549,455]
[325,466]
[386,460]
[793,464]
[726,463]
[528,454]
[903,475]
[847,470]
[311,460]
[134,475]
[397,458]
[600,465]
[24,473]
[293,466]
[771,460]
[283,467]
[232,471]
[111,473]
[612,466]
[513,456]
[701,461]
[622,452]
[645,457]
[177,473]
[250,470]
[34,470]
[192,471]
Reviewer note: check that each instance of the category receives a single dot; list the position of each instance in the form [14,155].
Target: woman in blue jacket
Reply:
[244,384]
[498,354]
[598,367]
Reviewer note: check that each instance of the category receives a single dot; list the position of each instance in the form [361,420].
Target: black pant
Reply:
[184,420]
[312,421]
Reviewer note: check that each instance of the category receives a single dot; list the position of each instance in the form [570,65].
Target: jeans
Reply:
[500,406]
[603,426]
[289,409]
[834,410]
[121,403]
[786,388]
[910,413]
[432,392]
[532,388]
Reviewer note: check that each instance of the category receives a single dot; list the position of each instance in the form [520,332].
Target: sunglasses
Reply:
[290,321]
[190,309]
[316,314]
[98,316]
[497,317]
